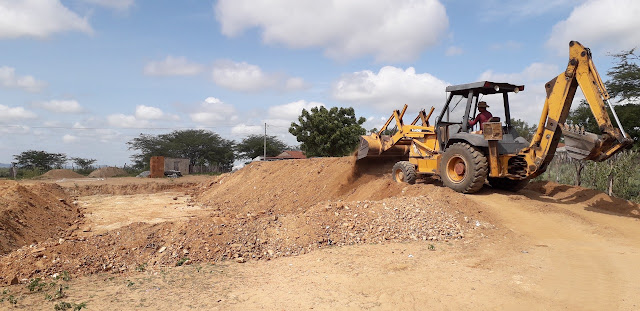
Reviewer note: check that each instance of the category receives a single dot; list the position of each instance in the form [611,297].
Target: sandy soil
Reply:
[549,247]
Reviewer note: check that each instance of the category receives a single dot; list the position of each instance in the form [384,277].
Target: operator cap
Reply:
[483,104]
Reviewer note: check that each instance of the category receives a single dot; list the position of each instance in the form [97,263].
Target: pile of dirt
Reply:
[107,172]
[29,214]
[264,211]
[60,174]
[298,184]
[595,200]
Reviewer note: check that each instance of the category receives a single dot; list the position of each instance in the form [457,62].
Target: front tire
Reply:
[404,171]
[463,168]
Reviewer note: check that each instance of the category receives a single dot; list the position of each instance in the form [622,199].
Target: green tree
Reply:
[201,147]
[37,159]
[84,164]
[253,146]
[625,77]
[523,128]
[322,132]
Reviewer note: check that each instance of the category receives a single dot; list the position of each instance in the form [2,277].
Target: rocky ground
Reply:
[135,228]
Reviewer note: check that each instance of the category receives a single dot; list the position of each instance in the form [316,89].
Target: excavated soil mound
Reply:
[107,172]
[264,211]
[298,184]
[33,213]
[59,174]
[595,200]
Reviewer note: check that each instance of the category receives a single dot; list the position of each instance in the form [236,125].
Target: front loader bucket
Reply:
[372,146]
[580,144]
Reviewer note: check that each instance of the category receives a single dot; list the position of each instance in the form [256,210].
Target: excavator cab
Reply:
[452,125]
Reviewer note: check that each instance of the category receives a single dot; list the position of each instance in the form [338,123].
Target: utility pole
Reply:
[265,142]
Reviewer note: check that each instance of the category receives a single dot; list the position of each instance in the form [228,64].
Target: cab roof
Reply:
[483,87]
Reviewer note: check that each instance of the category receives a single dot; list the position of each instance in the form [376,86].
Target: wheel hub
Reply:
[456,169]
[459,168]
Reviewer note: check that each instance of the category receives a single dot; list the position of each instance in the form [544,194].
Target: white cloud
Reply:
[38,18]
[126,121]
[148,113]
[69,139]
[533,72]
[251,78]
[213,111]
[291,111]
[9,79]
[612,24]
[61,106]
[390,89]
[153,113]
[173,66]
[15,130]
[244,129]
[15,113]
[112,4]
[454,50]
[241,76]
[390,30]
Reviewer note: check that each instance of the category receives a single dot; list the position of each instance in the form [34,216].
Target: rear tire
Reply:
[463,168]
[508,184]
[404,171]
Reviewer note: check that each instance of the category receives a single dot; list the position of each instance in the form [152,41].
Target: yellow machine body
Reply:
[465,164]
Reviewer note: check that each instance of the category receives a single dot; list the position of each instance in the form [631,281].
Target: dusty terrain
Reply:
[315,234]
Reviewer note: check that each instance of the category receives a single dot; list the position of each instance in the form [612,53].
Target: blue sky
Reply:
[83,77]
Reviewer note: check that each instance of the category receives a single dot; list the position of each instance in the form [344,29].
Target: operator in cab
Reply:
[483,116]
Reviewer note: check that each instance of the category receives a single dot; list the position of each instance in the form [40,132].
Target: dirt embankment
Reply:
[107,172]
[33,213]
[266,210]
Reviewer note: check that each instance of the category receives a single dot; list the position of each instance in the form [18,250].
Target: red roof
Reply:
[289,154]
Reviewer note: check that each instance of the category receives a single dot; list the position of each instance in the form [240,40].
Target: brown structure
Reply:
[288,155]
[156,167]
[177,164]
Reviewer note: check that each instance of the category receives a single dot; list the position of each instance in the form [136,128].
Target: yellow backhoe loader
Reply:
[465,159]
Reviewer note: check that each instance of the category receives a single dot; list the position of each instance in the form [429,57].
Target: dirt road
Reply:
[549,247]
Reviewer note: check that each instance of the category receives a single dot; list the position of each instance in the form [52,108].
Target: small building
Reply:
[177,164]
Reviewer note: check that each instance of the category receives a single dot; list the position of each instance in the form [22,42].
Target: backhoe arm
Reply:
[560,93]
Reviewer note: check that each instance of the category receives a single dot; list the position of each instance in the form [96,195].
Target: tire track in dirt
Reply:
[588,252]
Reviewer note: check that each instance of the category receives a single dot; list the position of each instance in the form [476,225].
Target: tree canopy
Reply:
[38,159]
[253,146]
[523,128]
[625,77]
[201,147]
[83,163]
[328,132]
